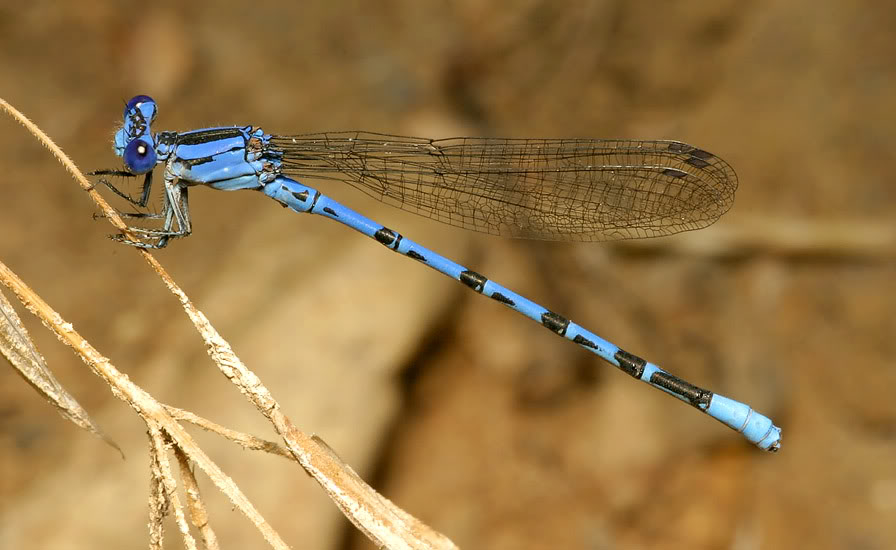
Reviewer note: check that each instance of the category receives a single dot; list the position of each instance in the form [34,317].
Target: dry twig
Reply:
[383,522]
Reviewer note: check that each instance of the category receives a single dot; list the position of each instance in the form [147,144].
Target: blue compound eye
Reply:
[139,156]
[135,101]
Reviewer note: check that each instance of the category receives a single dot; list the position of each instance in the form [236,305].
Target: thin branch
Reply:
[383,522]
[158,500]
[18,348]
[168,484]
[145,405]
[246,441]
[198,513]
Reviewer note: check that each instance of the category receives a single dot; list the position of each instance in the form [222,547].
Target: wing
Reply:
[550,189]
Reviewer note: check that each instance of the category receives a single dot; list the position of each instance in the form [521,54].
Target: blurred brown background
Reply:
[505,437]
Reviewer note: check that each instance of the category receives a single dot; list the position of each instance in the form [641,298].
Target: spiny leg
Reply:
[140,203]
[144,195]
[175,211]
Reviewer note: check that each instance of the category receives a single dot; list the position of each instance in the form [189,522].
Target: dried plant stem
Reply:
[383,522]
[146,406]
[198,513]
[168,489]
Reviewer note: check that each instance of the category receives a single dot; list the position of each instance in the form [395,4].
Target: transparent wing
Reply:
[551,189]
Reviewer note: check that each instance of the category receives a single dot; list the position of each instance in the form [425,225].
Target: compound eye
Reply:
[137,100]
[139,156]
